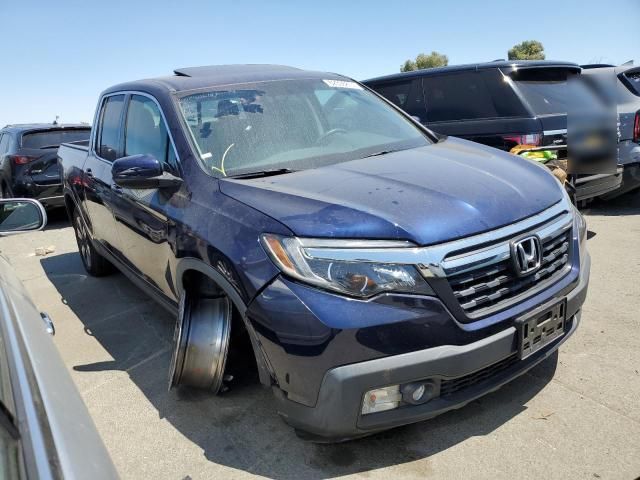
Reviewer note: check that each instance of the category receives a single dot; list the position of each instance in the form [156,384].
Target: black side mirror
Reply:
[21,215]
[142,171]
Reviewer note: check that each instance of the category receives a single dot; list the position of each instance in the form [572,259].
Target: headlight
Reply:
[351,277]
[581,225]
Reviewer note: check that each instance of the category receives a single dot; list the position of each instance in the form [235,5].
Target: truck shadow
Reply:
[624,205]
[57,219]
[241,429]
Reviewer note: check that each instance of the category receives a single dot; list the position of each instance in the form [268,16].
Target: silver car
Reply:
[622,86]
[45,429]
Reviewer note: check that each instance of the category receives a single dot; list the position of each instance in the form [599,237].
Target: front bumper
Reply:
[336,415]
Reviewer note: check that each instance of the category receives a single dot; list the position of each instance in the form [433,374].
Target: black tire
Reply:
[5,191]
[94,263]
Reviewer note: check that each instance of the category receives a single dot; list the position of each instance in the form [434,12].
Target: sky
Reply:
[57,56]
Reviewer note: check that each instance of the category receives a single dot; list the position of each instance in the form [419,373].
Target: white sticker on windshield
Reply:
[342,84]
[204,156]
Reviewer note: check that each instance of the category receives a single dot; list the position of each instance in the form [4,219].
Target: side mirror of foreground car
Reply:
[21,215]
[142,171]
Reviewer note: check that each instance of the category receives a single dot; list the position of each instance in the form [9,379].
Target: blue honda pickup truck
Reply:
[379,273]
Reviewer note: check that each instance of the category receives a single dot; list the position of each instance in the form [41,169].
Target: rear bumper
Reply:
[50,195]
[52,202]
[597,185]
[337,417]
[630,181]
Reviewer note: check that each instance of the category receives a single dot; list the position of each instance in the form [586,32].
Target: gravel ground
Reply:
[576,417]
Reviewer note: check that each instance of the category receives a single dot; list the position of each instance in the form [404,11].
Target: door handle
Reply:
[48,324]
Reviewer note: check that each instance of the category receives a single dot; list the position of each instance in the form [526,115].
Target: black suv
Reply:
[501,104]
[29,163]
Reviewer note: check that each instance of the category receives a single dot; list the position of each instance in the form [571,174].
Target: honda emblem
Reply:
[526,254]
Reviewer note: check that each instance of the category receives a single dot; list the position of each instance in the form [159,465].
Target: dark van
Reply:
[501,104]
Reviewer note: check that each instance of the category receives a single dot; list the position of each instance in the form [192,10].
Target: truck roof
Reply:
[22,127]
[512,64]
[191,78]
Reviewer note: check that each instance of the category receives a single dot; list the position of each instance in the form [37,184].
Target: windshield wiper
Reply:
[382,152]
[263,173]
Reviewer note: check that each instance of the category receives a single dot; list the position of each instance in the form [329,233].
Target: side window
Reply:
[461,96]
[470,96]
[109,133]
[146,132]
[397,92]
[4,143]
[407,95]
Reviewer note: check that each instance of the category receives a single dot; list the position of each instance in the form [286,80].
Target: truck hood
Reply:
[427,195]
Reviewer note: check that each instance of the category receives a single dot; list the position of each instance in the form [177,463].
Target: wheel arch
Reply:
[69,205]
[188,266]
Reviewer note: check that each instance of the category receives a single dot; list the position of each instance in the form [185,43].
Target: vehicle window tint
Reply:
[53,138]
[468,96]
[407,95]
[109,135]
[4,143]
[396,92]
[632,81]
[146,132]
[548,90]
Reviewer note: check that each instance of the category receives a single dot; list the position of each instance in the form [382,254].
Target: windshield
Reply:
[548,92]
[53,138]
[292,124]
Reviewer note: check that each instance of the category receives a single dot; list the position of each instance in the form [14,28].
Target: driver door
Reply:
[143,216]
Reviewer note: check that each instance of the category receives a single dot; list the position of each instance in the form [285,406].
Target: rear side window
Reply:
[631,79]
[53,138]
[406,94]
[4,143]
[146,132]
[549,92]
[397,93]
[109,134]
[470,96]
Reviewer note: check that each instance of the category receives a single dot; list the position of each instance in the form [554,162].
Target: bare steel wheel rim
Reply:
[201,342]
[83,242]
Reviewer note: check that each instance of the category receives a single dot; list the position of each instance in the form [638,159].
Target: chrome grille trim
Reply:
[442,260]
[503,287]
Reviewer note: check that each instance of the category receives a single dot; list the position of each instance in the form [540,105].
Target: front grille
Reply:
[497,285]
[451,386]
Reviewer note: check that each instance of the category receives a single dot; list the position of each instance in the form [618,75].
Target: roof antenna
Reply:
[55,122]
[627,63]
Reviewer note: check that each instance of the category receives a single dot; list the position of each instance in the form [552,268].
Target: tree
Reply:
[422,61]
[527,50]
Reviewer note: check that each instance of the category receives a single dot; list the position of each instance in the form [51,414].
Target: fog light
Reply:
[420,392]
[381,399]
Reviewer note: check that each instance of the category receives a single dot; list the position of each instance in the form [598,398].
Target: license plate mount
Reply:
[540,328]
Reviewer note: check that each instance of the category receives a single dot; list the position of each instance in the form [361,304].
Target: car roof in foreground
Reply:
[193,78]
[504,64]
[24,127]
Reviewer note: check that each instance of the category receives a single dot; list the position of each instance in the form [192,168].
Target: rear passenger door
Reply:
[99,196]
[143,217]
[477,105]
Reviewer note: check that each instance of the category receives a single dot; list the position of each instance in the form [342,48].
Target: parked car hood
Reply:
[427,195]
